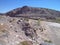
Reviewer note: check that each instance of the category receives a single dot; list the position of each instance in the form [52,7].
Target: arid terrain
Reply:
[24,26]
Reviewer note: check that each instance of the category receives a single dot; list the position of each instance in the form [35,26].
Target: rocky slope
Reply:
[23,31]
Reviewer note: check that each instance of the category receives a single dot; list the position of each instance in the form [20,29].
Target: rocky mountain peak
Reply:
[25,7]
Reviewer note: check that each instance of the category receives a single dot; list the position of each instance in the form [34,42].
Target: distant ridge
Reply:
[32,11]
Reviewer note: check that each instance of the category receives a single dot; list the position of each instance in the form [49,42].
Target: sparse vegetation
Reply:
[1,16]
[26,19]
[57,20]
[49,41]
[39,22]
[12,20]
[25,43]
[4,33]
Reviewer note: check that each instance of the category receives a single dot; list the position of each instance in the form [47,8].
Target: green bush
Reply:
[25,43]
[39,22]
[49,41]
[57,20]
[26,19]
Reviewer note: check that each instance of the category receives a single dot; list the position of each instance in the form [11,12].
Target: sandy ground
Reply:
[53,31]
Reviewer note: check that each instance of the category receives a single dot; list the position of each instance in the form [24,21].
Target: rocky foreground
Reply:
[24,31]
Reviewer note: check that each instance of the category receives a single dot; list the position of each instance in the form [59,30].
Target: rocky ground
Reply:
[24,31]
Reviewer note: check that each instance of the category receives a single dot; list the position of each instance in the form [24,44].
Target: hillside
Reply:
[22,31]
[33,12]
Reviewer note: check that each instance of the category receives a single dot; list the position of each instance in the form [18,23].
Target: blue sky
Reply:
[7,5]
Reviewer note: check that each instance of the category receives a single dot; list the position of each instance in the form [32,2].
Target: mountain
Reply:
[1,13]
[33,11]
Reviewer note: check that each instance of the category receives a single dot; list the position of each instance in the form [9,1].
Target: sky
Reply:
[7,5]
